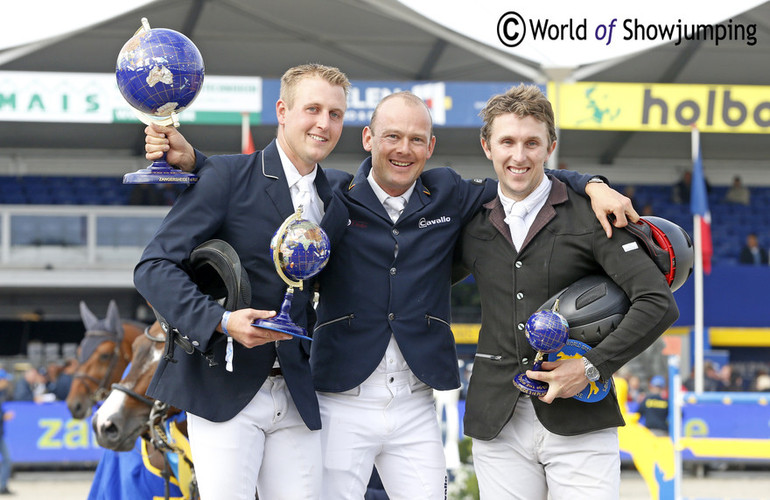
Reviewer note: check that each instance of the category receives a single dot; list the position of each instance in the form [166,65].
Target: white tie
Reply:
[306,199]
[515,220]
[394,206]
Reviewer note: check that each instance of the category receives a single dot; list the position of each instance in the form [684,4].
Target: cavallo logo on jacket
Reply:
[423,222]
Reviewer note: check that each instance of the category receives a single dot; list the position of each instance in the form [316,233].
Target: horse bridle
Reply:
[158,408]
[156,422]
[101,391]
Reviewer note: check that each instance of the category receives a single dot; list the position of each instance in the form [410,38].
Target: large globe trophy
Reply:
[160,73]
[300,249]
[547,331]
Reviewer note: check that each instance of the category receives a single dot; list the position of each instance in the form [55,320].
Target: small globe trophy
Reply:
[547,331]
[160,73]
[300,249]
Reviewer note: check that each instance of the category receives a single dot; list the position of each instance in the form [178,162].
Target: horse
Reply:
[104,353]
[128,414]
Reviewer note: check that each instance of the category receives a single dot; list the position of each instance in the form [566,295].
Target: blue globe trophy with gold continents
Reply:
[547,331]
[300,249]
[159,72]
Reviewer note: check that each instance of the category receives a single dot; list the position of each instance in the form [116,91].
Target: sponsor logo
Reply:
[423,222]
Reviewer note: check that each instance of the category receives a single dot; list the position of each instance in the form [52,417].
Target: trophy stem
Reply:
[282,322]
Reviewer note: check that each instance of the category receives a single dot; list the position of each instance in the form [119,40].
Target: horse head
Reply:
[126,413]
[103,354]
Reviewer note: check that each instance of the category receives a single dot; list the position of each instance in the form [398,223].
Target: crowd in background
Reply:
[40,384]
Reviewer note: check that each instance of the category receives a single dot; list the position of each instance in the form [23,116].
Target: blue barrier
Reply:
[47,433]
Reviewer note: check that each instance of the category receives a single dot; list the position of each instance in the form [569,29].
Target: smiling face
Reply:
[518,148]
[401,141]
[310,126]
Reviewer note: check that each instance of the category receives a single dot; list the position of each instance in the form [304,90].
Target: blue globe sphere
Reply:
[303,247]
[547,331]
[159,72]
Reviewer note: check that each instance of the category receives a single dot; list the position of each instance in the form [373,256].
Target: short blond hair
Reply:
[524,100]
[292,77]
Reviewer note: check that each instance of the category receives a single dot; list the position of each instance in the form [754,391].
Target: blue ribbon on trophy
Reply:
[159,73]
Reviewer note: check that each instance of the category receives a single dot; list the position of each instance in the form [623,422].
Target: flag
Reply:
[247,141]
[699,202]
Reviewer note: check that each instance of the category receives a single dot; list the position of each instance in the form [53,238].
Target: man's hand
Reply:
[240,329]
[606,201]
[565,378]
[159,140]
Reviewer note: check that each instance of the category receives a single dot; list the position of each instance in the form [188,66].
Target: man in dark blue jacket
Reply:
[252,428]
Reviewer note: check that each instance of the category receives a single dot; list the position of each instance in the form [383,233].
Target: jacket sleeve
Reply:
[653,308]
[574,180]
[162,274]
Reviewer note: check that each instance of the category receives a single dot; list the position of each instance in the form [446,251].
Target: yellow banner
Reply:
[661,107]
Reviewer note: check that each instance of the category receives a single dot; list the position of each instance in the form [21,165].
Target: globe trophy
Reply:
[547,331]
[300,249]
[160,73]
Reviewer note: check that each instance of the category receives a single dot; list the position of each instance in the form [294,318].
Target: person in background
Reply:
[738,193]
[751,253]
[33,386]
[5,454]
[680,192]
[654,408]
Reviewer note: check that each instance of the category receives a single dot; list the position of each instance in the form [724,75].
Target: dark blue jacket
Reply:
[241,199]
[367,292]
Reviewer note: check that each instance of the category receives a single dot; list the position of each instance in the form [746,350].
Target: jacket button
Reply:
[395,231]
[391,316]
[524,361]
[392,271]
[519,295]
[518,264]
[520,326]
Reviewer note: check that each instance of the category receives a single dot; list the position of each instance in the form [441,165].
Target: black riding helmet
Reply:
[594,305]
[217,270]
[669,246]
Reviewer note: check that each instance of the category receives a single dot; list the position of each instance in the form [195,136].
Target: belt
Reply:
[276,372]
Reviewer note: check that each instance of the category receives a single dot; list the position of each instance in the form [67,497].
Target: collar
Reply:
[382,195]
[290,171]
[535,199]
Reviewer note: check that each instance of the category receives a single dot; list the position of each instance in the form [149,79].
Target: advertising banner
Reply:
[646,107]
[27,96]
[47,433]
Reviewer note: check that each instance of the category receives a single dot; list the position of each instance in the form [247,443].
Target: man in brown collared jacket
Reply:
[534,239]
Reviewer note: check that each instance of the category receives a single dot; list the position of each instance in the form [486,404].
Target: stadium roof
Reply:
[373,40]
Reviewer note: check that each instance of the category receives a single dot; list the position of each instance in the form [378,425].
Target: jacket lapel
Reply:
[419,199]
[361,192]
[278,189]
[557,196]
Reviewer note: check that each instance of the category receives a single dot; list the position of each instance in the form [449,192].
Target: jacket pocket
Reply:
[348,318]
[430,318]
[492,357]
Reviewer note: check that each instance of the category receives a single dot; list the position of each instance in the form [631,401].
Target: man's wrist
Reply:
[596,179]
[223,323]
[591,372]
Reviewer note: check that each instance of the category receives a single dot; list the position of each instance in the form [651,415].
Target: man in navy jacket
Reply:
[252,428]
